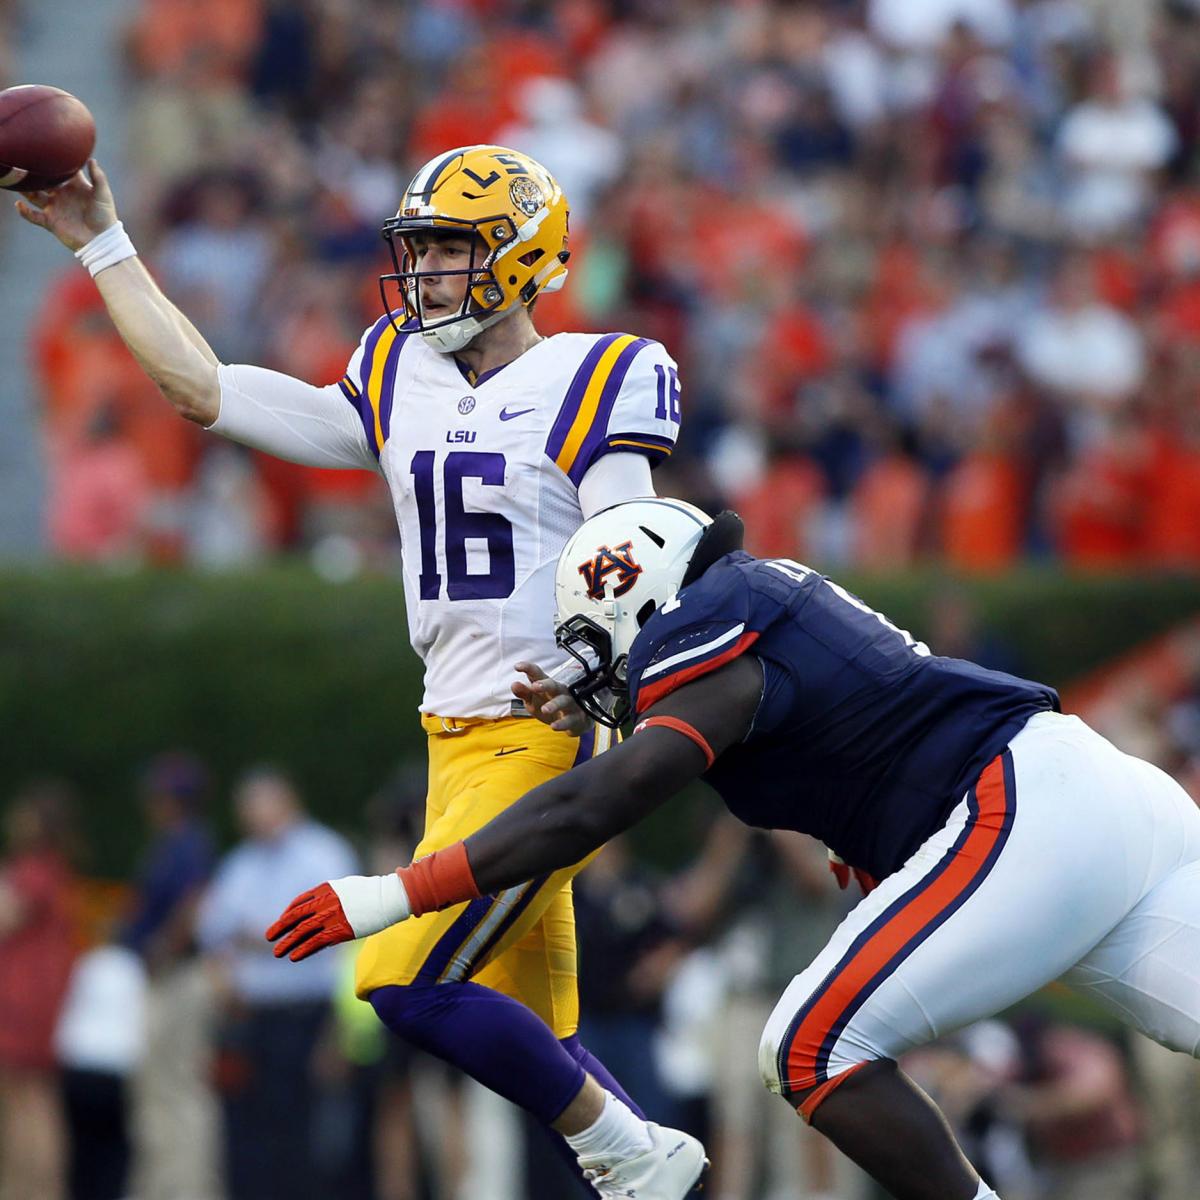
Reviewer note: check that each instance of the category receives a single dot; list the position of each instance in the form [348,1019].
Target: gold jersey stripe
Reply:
[640,445]
[591,401]
[375,381]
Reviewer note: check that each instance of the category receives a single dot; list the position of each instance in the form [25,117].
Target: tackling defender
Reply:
[1013,845]
[495,444]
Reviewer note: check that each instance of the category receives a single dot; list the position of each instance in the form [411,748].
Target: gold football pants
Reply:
[522,941]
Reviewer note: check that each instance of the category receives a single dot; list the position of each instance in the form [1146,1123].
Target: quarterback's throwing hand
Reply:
[338,911]
[550,701]
[75,212]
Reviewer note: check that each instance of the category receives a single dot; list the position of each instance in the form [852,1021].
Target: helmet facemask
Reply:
[602,690]
[483,298]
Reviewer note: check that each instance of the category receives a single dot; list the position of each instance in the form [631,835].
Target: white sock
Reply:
[985,1192]
[616,1134]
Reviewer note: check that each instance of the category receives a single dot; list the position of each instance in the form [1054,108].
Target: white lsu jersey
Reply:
[484,478]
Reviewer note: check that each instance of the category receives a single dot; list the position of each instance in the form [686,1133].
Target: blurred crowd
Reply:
[931,268]
[151,1048]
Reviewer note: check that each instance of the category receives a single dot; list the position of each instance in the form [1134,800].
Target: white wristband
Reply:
[106,249]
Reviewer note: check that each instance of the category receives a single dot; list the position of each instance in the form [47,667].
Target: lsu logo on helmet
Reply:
[606,562]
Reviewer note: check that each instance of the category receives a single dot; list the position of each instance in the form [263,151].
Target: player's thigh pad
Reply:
[1055,844]
[474,776]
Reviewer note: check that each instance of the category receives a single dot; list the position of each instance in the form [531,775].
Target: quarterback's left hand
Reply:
[550,701]
[339,911]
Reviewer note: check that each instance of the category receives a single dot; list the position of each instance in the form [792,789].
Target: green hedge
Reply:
[99,672]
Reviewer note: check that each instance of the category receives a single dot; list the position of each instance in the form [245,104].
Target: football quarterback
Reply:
[495,444]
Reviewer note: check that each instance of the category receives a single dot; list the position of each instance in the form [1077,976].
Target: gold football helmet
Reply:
[516,217]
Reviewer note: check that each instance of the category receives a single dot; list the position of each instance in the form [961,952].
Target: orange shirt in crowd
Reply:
[778,508]
[1172,533]
[1099,509]
[889,506]
[168,35]
[982,512]
[82,366]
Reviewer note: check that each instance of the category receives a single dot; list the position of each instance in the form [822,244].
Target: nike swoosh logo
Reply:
[505,415]
[514,750]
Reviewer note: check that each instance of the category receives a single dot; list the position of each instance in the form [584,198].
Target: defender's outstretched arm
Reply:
[552,826]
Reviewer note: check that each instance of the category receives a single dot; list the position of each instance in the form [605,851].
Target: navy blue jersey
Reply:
[862,737]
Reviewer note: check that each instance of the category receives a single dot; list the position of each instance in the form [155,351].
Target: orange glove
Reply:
[842,872]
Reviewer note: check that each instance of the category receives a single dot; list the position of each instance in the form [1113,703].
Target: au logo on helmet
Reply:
[607,562]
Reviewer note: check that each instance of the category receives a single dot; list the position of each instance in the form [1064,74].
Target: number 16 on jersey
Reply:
[459,525]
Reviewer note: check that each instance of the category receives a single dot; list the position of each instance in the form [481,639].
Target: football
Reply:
[46,135]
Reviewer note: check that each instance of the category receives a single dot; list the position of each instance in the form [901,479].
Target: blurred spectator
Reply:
[100,495]
[409,1140]
[1111,142]
[924,26]
[839,217]
[100,1042]
[552,127]
[629,947]
[274,1010]
[968,1074]
[1168,1086]
[216,260]
[779,908]
[37,949]
[628,950]
[1077,347]
[231,521]
[1077,1106]
[176,1119]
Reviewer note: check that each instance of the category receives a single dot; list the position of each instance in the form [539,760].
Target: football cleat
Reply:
[671,1169]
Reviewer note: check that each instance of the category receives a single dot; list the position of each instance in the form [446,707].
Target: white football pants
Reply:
[1068,858]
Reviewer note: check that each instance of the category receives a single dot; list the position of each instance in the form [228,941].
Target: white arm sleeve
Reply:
[613,479]
[292,419]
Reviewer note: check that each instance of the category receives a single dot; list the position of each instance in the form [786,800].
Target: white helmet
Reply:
[617,570]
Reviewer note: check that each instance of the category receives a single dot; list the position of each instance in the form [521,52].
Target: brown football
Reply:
[46,135]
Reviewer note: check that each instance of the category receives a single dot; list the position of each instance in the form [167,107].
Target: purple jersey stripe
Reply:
[608,397]
[444,948]
[574,397]
[361,403]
